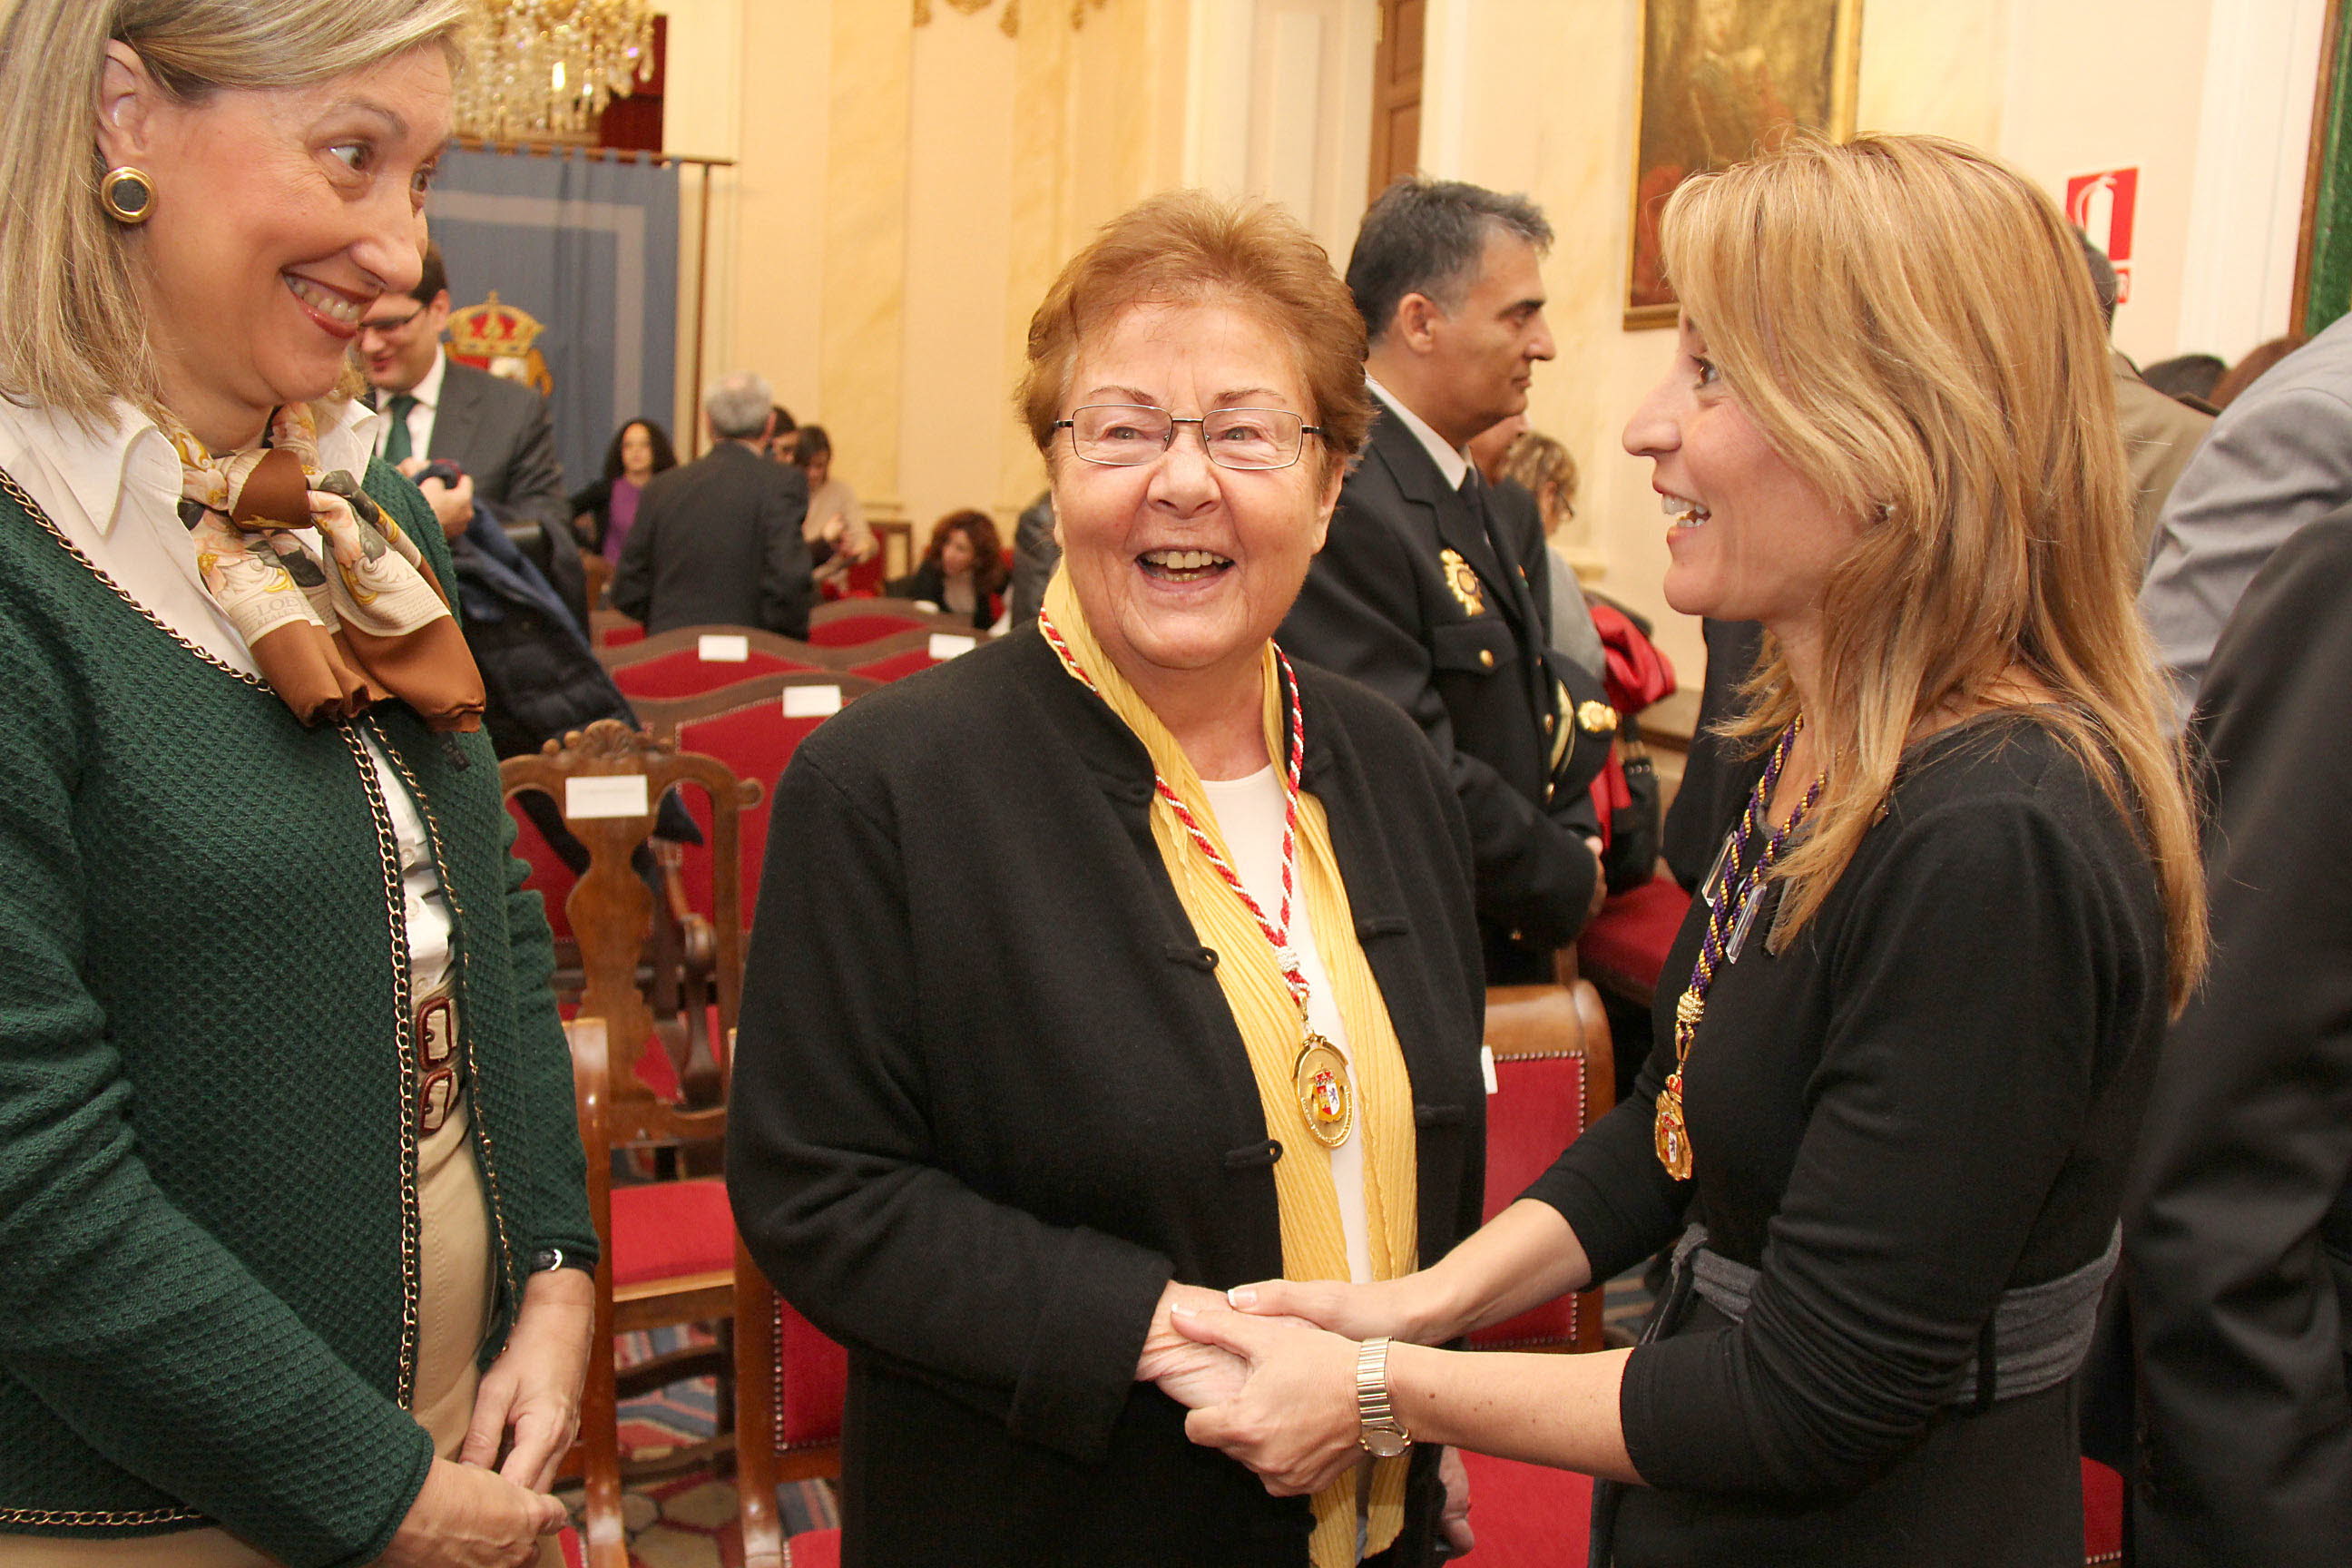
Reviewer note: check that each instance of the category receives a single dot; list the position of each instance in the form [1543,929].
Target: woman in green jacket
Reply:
[290,1190]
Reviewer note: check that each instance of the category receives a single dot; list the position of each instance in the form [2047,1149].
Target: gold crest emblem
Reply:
[1598,718]
[497,337]
[1464,582]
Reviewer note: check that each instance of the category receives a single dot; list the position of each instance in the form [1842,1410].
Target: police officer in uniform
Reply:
[1433,587]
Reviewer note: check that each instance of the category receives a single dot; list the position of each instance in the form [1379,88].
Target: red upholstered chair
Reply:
[1553,1078]
[1624,947]
[853,622]
[610,628]
[900,652]
[549,875]
[790,1382]
[1527,1516]
[746,726]
[673,665]
[668,1246]
[2103,1515]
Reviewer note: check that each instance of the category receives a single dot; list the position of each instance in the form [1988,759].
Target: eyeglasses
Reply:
[1130,435]
[385,329]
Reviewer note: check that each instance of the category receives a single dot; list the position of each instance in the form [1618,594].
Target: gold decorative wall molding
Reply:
[1009,23]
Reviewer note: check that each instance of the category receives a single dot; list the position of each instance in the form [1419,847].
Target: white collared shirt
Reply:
[114,493]
[421,418]
[1450,462]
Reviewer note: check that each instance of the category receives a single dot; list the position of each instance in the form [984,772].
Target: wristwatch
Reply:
[1381,1437]
[546,1258]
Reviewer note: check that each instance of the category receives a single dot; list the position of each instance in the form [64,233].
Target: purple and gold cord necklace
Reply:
[1736,895]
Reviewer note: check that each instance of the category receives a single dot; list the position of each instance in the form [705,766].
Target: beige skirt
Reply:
[455,1290]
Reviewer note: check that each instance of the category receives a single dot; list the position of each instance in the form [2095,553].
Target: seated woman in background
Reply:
[1899,1092]
[835,527]
[963,569]
[1119,962]
[608,506]
[1543,467]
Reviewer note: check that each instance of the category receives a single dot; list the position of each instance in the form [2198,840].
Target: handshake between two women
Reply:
[1267,1373]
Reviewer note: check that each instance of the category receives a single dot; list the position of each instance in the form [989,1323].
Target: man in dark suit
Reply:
[1433,588]
[717,541]
[496,431]
[2238,1234]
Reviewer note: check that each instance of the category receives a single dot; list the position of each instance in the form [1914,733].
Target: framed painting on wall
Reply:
[1720,80]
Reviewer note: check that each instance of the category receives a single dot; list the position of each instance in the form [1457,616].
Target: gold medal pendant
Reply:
[1326,1097]
[1673,1138]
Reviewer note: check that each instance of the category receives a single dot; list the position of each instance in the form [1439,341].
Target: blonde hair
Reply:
[79,338]
[1534,461]
[1185,247]
[1909,324]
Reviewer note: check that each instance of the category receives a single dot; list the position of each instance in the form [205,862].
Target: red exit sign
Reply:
[2101,205]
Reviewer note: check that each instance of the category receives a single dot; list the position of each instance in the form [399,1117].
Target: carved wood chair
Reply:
[669,1246]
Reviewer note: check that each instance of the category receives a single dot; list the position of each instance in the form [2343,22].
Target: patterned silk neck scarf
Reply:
[333,637]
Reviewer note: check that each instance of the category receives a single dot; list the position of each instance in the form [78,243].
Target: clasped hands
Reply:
[1269,1377]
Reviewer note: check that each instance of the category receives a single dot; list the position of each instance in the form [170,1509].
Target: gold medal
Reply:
[1325,1096]
[1672,1137]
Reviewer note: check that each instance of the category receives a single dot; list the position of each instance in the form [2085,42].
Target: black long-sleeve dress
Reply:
[1927,1097]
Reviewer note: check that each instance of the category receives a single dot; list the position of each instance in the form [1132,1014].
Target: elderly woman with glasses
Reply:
[1119,962]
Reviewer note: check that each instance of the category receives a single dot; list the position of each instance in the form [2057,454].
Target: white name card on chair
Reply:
[945,646]
[718,648]
[619,795]
[1487,1070]
[812,702]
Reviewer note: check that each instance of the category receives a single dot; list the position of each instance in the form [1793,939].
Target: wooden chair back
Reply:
[606,780]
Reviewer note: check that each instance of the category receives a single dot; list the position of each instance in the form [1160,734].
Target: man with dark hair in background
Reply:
[1433,588]
[497,433]
[717,541]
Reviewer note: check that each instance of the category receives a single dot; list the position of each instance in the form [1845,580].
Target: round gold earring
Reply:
[128,195]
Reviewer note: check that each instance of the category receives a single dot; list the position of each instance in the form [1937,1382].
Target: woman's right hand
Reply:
[467,1517]
[1400,1308]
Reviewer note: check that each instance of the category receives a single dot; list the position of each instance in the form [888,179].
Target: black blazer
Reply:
[718,542]
[989,1100]
[1409,597]
[2239,1240]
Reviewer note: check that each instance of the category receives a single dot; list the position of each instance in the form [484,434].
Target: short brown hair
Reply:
[1186,247]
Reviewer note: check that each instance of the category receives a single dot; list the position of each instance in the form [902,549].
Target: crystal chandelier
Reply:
[547,67]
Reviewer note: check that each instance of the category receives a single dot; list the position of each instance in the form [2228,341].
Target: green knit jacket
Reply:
[208,1189]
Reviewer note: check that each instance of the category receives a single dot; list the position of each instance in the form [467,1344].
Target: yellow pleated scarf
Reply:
[1314,1247]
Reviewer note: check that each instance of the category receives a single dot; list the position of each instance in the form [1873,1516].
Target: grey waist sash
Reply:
[2036,1338]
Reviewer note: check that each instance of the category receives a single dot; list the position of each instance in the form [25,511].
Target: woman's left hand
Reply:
[1294,1421]
[529,1403]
